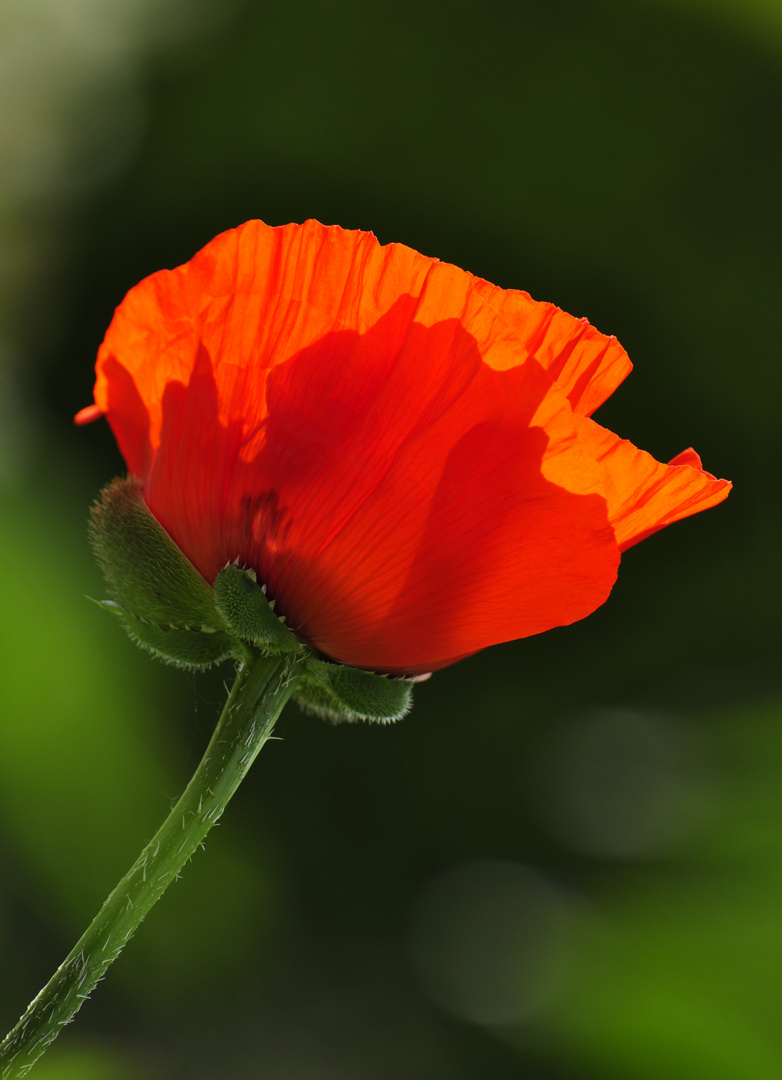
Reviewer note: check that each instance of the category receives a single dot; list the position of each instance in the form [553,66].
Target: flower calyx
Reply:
[169,609]
[331,690]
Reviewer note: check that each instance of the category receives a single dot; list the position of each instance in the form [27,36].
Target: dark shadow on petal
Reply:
[128,416]
[393,472]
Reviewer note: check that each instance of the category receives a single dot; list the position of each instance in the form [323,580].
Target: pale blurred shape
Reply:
[69,109]
[72,115]
[622,783]
[491,941]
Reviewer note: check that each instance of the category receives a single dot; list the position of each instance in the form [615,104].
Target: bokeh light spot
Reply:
[490,941]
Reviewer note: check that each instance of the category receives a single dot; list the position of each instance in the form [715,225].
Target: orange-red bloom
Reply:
[402,451]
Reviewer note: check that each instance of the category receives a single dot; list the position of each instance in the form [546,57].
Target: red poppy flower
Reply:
[401,451]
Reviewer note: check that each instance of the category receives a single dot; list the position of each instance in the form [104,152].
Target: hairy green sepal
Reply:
[157,594]
[248,613]
[331,690]
[337,692]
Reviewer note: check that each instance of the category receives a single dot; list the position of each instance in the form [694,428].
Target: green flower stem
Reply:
[263,685]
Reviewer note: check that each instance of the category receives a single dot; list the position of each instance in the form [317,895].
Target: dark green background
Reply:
[566,863]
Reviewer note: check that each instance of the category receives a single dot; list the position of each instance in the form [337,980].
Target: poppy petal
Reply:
[252,297]
[87,415]
[400,450]
[587,365]
[265,293]
[399,517]
[643,494]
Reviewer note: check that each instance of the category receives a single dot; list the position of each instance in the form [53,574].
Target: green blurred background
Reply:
[567,862]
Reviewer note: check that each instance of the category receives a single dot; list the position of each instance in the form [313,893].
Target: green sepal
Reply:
[340,693]
[248,614]
[183,647]
[160,598]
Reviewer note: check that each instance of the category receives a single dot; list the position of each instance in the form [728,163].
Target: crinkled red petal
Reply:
[394,499]
[399,449]
[644,495]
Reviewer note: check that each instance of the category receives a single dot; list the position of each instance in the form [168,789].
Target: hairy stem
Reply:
[261,689]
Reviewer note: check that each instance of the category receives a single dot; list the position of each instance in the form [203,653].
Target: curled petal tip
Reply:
[692,458]
[688,457]
[87,415]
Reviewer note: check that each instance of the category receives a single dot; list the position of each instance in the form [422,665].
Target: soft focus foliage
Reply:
[615,786]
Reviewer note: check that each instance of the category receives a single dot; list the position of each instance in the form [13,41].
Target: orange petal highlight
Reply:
[644,495]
